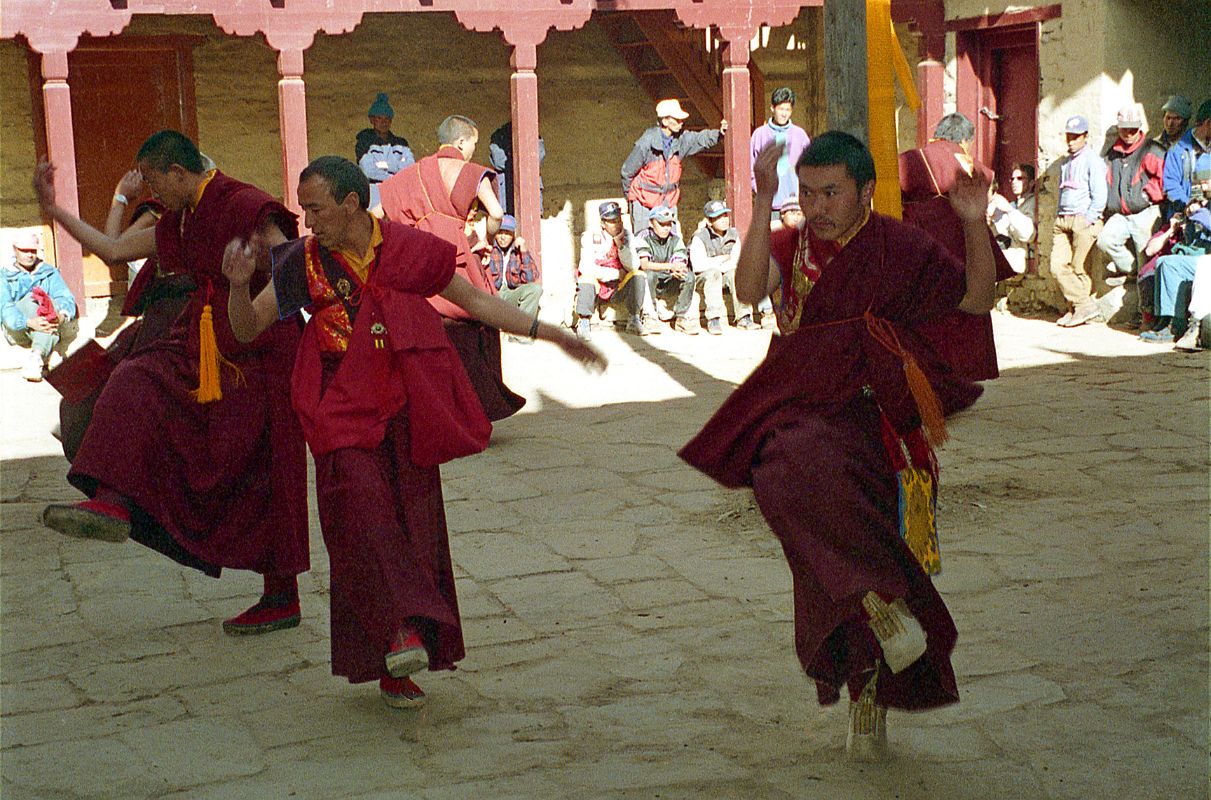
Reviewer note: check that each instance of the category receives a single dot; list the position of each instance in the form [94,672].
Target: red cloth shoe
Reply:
[401,693]
[91,519]
[271,613]
[407,655]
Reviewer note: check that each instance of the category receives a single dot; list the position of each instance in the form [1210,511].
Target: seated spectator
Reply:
[1134,193]
[1198,324]
[1161,244]
[1175,275]
[37,308]
[665,264]
[791,215]
[380,153]
[713,254]
[510,269]
[1013,220]
[609,271]
[1187,173]
[1177,110]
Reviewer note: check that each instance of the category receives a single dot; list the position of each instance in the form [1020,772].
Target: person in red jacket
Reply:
[1135,169]
[651,175]
[383,400]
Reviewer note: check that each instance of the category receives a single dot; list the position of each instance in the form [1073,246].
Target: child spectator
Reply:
[664,261]
[713,253]
[510,269]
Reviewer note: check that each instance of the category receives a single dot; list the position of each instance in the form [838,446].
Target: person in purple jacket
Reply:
[779,129]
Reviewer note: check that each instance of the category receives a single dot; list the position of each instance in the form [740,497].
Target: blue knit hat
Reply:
[380,107]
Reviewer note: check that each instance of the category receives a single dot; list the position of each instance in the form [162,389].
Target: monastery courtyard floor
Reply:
[628,623]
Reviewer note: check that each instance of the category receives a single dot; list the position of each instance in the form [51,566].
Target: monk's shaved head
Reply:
[342,176]
[455,127]
[167,147]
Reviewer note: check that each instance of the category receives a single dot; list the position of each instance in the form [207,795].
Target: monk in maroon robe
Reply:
[383,400]
[841,398]
[927,175]
[439,194]
[192,449]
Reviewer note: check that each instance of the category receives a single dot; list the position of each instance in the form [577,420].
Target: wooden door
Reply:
[999,90]
[122,90]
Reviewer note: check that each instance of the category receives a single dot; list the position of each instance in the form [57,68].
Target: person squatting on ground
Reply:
[664,261]
[608,271]
[383,400]
[849,397]
[511,270]
[192,449]
[440,194]
[713,254]
[37,308]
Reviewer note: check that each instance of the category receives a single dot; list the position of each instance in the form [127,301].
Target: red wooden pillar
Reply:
[292,121]
[929,87]
[738,110]
[61,150]
[523,98]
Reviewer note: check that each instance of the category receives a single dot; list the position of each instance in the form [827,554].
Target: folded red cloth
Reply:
[46,306]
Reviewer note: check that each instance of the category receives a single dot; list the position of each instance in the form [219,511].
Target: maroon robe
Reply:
[804,431]
[417,196]
[926,175]
[220,484]
[379,417]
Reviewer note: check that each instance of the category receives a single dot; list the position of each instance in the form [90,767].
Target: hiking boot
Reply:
[640,327]
[1163,336]
[407,655]
[34,366]
[900,635]
[400,693]
[271,613]
[582,329]
[1188,342]
[91,519]
[746,323]
[684,325]
[714,327]
[1088,312]
[866,739]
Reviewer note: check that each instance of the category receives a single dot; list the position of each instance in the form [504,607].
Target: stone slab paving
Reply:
[629,625]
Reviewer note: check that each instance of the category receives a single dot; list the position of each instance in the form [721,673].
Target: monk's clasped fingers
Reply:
[238,262]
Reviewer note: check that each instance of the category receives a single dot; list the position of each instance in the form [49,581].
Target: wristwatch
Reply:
[121,198]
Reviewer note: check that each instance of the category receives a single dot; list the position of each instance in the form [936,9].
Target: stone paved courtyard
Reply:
[628,623]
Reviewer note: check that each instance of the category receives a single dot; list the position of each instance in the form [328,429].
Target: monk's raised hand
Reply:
[239,262]
[44,183]
[130,185]
[765,169]
[969,197]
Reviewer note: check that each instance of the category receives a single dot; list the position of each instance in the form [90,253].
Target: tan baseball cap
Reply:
[670,108]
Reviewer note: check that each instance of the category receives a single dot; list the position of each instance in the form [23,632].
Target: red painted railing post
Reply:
[61,149]
[292,120]
[738,110]
[523,98]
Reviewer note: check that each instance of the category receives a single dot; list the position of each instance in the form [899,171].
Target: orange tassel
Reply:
[211,361]
[932,418]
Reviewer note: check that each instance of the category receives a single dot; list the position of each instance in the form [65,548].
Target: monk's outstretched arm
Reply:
[248,317]
[754,280]
[491,206]
[969,199]
[108,248]
[511,319]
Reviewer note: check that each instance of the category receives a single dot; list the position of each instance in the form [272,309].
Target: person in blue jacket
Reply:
[38,309]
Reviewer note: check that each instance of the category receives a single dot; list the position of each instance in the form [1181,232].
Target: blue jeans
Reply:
[1174,280]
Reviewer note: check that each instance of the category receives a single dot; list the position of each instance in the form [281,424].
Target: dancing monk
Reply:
[828,428]
[192,449]
[441,194]
[383,400]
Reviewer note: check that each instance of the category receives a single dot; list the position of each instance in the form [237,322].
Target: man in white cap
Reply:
[651,175]
[1078,221]
[1135,190]
[36,306]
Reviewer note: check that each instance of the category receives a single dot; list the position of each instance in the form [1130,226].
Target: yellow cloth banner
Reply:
[885,63]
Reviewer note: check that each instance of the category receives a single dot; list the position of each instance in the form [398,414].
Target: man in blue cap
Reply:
[609,270]
[510,268]
[1078,221]
[713,253]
